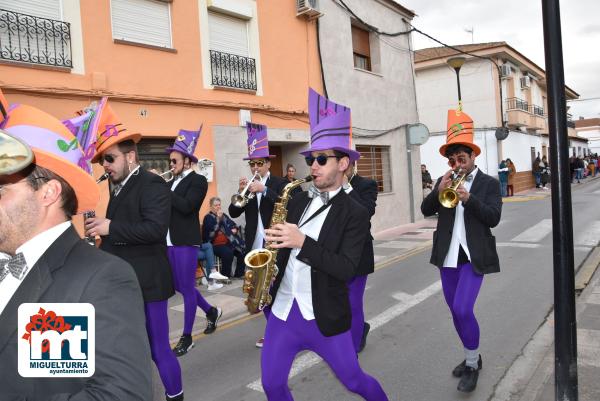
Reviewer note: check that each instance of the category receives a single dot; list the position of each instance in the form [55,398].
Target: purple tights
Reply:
[461,286]
[157,326]
[183,261]
[285,339]
[356,290]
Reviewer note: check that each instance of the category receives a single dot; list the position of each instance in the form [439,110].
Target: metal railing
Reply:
[35,40]
[514,103]
[537,110]
[232,71]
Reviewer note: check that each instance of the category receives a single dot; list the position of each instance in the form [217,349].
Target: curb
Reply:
[587,270]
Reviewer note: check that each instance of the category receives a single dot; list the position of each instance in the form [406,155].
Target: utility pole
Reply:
[565,329]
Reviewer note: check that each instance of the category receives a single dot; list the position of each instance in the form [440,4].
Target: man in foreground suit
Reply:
[364,191]
[135,228]
[319,249]
[464,248]
[36,206]
[188,190]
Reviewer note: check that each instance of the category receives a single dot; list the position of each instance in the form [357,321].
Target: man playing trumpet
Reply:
[464,248]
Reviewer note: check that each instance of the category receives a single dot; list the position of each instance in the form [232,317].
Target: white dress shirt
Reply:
[175,183]
[459,236]
[296,282]
[32,250]
[259,239]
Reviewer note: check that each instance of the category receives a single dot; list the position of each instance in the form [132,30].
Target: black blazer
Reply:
[274,187]
[186,199]
[364,191]
[72,271]
[333,259]
[138,229]
[482,212]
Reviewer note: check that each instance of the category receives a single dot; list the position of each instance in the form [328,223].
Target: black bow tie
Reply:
[314,192]
[17,266]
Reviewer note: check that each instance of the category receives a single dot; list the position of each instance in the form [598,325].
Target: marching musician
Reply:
[364,191]
[464,248]
[49,263]
[266,188]
[135,228]
[188,190]
[320,246]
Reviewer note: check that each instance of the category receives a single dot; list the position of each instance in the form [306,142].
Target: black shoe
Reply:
[212,318]
[184,345]
[175,398]
[460,368]
[468,380]
[363,341]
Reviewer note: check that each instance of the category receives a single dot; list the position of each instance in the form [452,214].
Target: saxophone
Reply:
[257,280]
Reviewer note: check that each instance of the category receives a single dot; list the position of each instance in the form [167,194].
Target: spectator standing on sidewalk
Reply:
[537,171]
[503,178]
[545,169]
[464,248]
[579,169]
[426,180]
[512,171]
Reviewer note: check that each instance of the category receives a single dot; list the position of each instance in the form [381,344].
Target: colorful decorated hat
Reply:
[258,142]
[80,127]
[108,129]
[460,132]
[55,148]
[3,109]
[330,126]
[185,143]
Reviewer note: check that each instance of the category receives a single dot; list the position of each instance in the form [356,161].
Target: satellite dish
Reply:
[418,134]
[15,155]
[501,133]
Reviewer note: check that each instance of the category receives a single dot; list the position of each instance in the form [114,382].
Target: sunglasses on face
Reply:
[258,163]
[108,159]
[321,159]
[461,159]
[173,161]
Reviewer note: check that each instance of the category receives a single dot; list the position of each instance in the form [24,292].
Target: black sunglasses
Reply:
[108,159]
[173,161]
[321,159]
[258,163]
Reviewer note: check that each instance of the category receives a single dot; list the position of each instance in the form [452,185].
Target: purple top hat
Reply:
[185,143]
[330,126]
[258,142]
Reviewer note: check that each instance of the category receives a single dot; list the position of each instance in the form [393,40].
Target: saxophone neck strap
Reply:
[315,214]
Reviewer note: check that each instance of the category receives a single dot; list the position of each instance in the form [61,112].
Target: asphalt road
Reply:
[414,346]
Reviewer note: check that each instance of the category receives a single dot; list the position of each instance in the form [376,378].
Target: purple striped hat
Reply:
[185,143]
[330,126]
[258,142]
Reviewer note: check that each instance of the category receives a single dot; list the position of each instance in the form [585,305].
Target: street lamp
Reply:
[456,63]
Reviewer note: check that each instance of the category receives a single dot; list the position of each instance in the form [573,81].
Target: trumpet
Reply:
[448,197]
[241,199]
[168,175]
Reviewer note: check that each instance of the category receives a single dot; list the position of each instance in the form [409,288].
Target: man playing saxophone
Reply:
[319,247]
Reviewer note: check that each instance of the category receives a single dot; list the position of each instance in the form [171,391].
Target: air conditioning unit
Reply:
[308,8]
[505,70]
[525,82]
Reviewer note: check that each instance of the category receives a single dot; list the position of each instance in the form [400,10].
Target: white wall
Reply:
[593,135]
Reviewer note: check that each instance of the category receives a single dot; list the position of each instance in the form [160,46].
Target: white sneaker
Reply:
[214,286]
[217,276]
[204,281]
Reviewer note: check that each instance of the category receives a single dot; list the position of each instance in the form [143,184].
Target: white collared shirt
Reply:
[122,183]
[260,229]
[32,250]
[459,235]
[296,282]
[175,183]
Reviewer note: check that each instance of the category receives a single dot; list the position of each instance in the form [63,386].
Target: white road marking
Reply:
[589,236]
[535,233]
[406,301]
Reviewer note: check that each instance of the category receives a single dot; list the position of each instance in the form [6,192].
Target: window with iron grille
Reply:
[152,154]
[374,163]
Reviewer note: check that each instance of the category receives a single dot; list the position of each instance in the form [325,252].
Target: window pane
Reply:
[375,164]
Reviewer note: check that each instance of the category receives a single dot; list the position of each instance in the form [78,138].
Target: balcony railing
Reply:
[514,103]
[536,110]
[35,40]
[232,71]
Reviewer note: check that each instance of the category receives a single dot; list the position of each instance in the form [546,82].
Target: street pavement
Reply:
[412,346]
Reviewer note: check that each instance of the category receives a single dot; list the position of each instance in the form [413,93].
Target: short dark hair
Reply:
[37,175]
[339,154]
[457,148]
[128,146]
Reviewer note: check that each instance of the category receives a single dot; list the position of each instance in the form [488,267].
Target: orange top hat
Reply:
[3,109]
[55,148]
[460,131]
[108,129]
